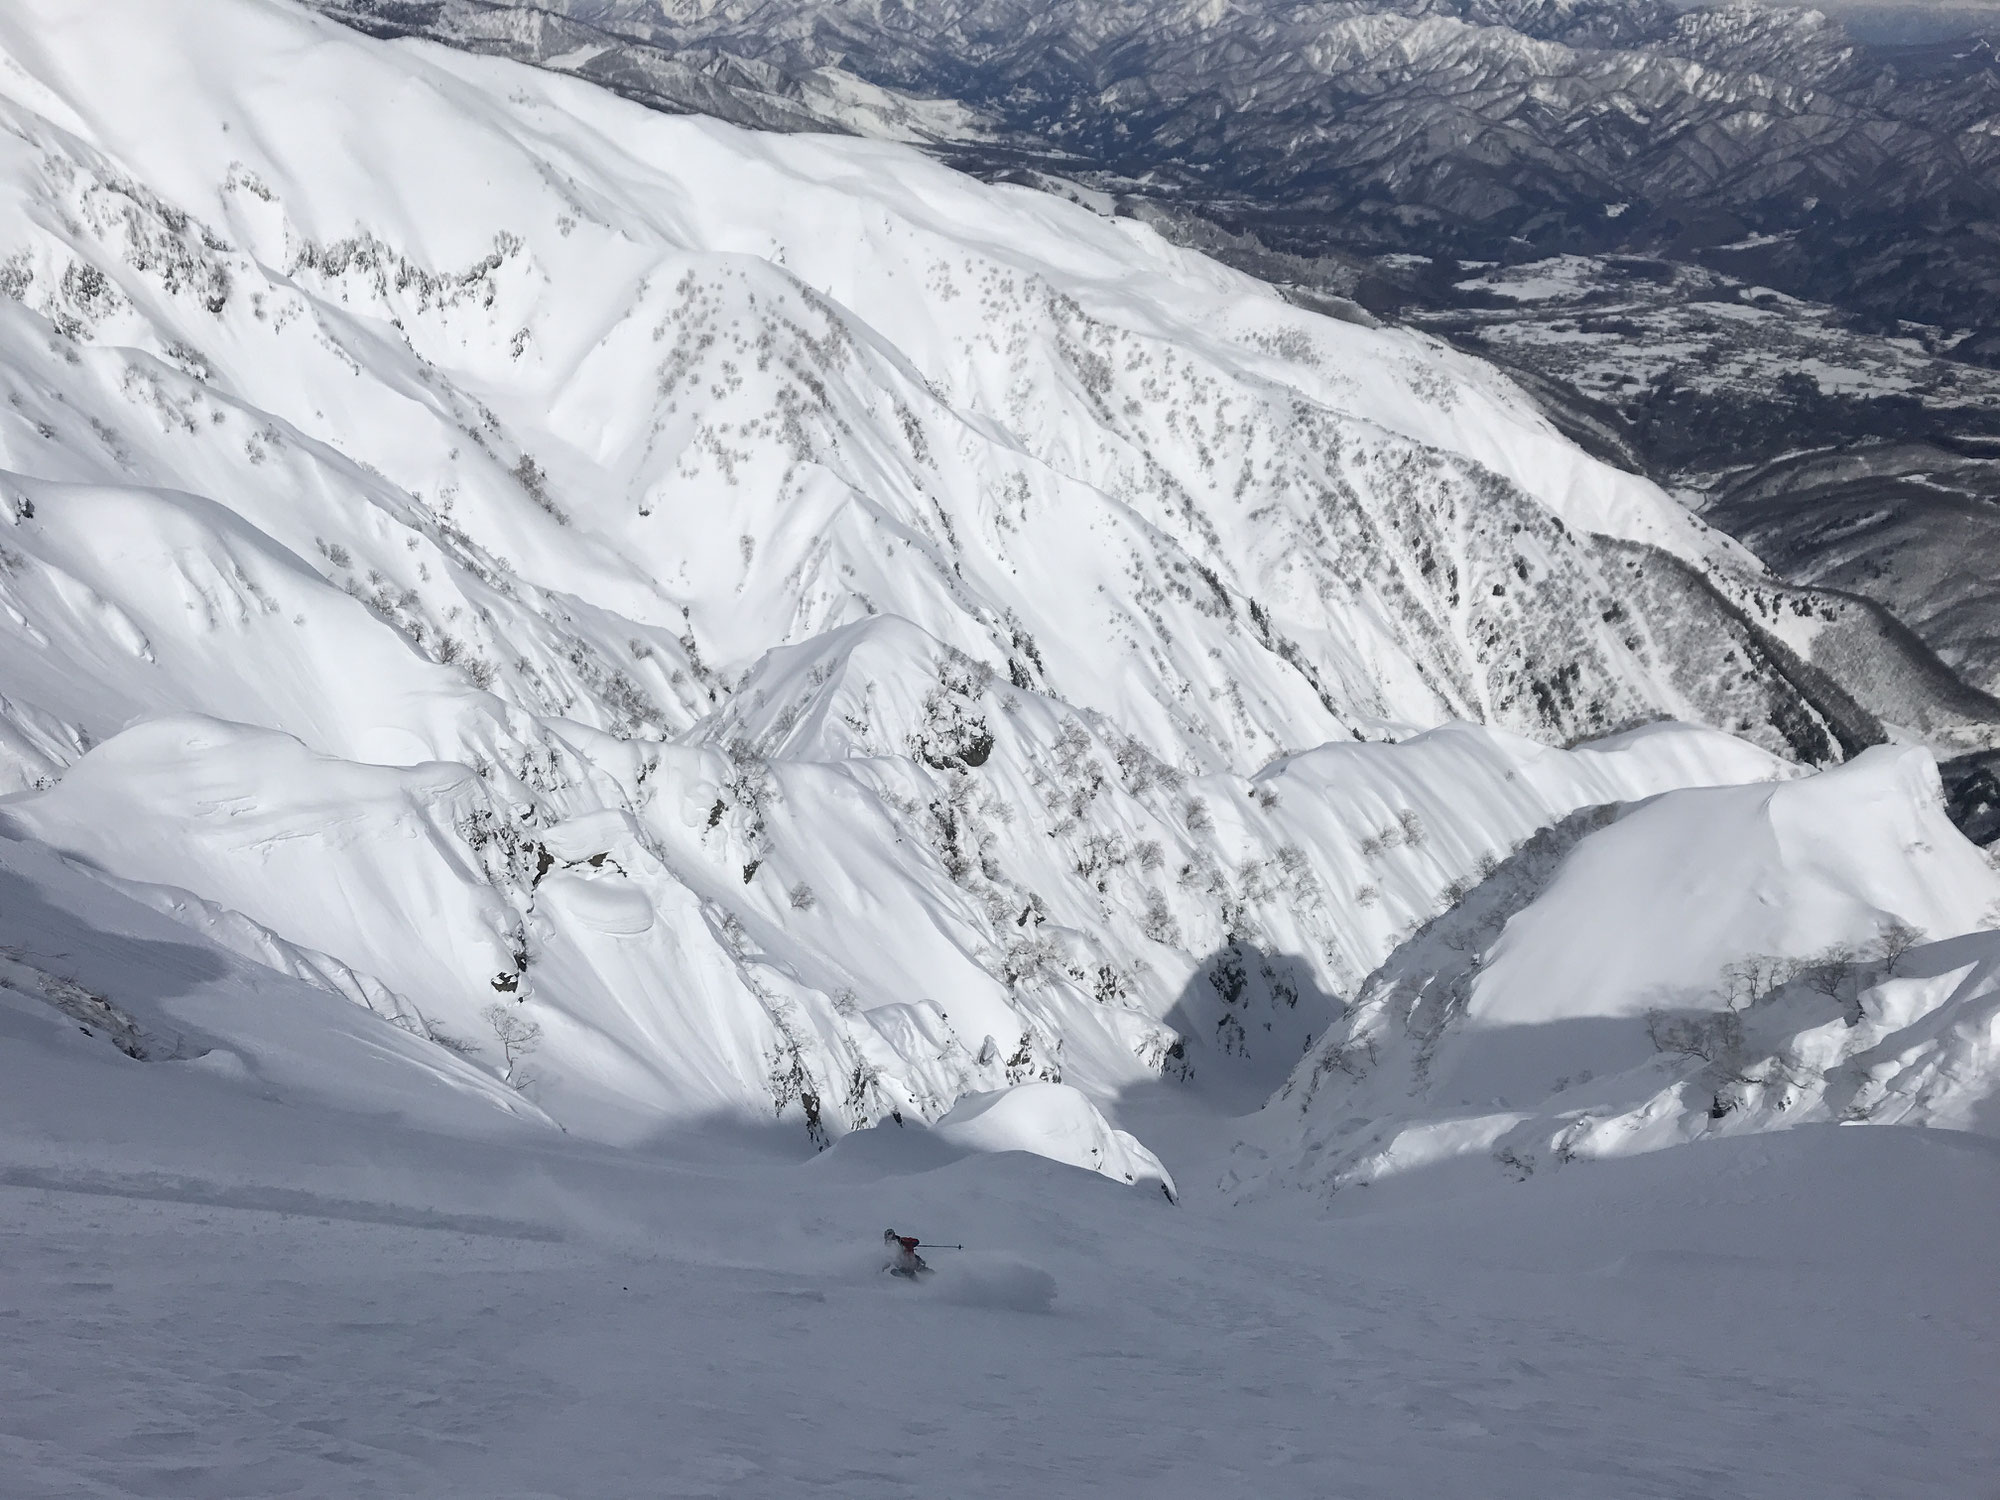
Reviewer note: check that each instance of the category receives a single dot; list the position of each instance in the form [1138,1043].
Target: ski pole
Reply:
[927,1245]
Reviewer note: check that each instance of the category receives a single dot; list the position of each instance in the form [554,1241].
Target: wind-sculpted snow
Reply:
[698,622]
[76,949]
[1712,962]
[1056,1121]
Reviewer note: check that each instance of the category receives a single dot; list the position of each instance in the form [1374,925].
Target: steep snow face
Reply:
[699,621]
[990,414]
[1712,962]
[224,1008]
[1056,1121]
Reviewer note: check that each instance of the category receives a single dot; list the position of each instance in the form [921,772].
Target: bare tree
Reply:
[1714,1037]
[518,1036]
[1827,971]
[1749,980]
[1894,940]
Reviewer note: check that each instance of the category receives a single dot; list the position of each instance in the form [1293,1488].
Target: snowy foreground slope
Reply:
[367,1269]
[213,1284]
[594,708]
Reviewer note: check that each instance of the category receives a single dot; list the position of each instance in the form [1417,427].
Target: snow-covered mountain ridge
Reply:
[700,623]
[1572,1007]
[1756,248]
[1455,127]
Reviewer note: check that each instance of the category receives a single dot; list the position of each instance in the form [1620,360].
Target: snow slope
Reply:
[794,629]
[359,1276]
[1850,173]
[596,708]
[1055,1121]
[1712,962]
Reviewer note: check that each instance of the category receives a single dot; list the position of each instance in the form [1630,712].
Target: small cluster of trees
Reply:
[1717,1038]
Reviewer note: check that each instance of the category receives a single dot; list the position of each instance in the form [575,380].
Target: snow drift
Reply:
[1056,1121]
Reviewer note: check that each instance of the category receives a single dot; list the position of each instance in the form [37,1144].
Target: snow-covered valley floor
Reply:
[208,1292]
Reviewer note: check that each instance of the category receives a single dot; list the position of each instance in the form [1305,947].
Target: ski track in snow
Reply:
[1667,1327]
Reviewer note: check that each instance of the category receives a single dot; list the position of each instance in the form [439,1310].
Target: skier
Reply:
[903,1258]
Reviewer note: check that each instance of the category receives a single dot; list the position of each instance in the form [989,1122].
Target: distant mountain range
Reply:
[1768,142]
